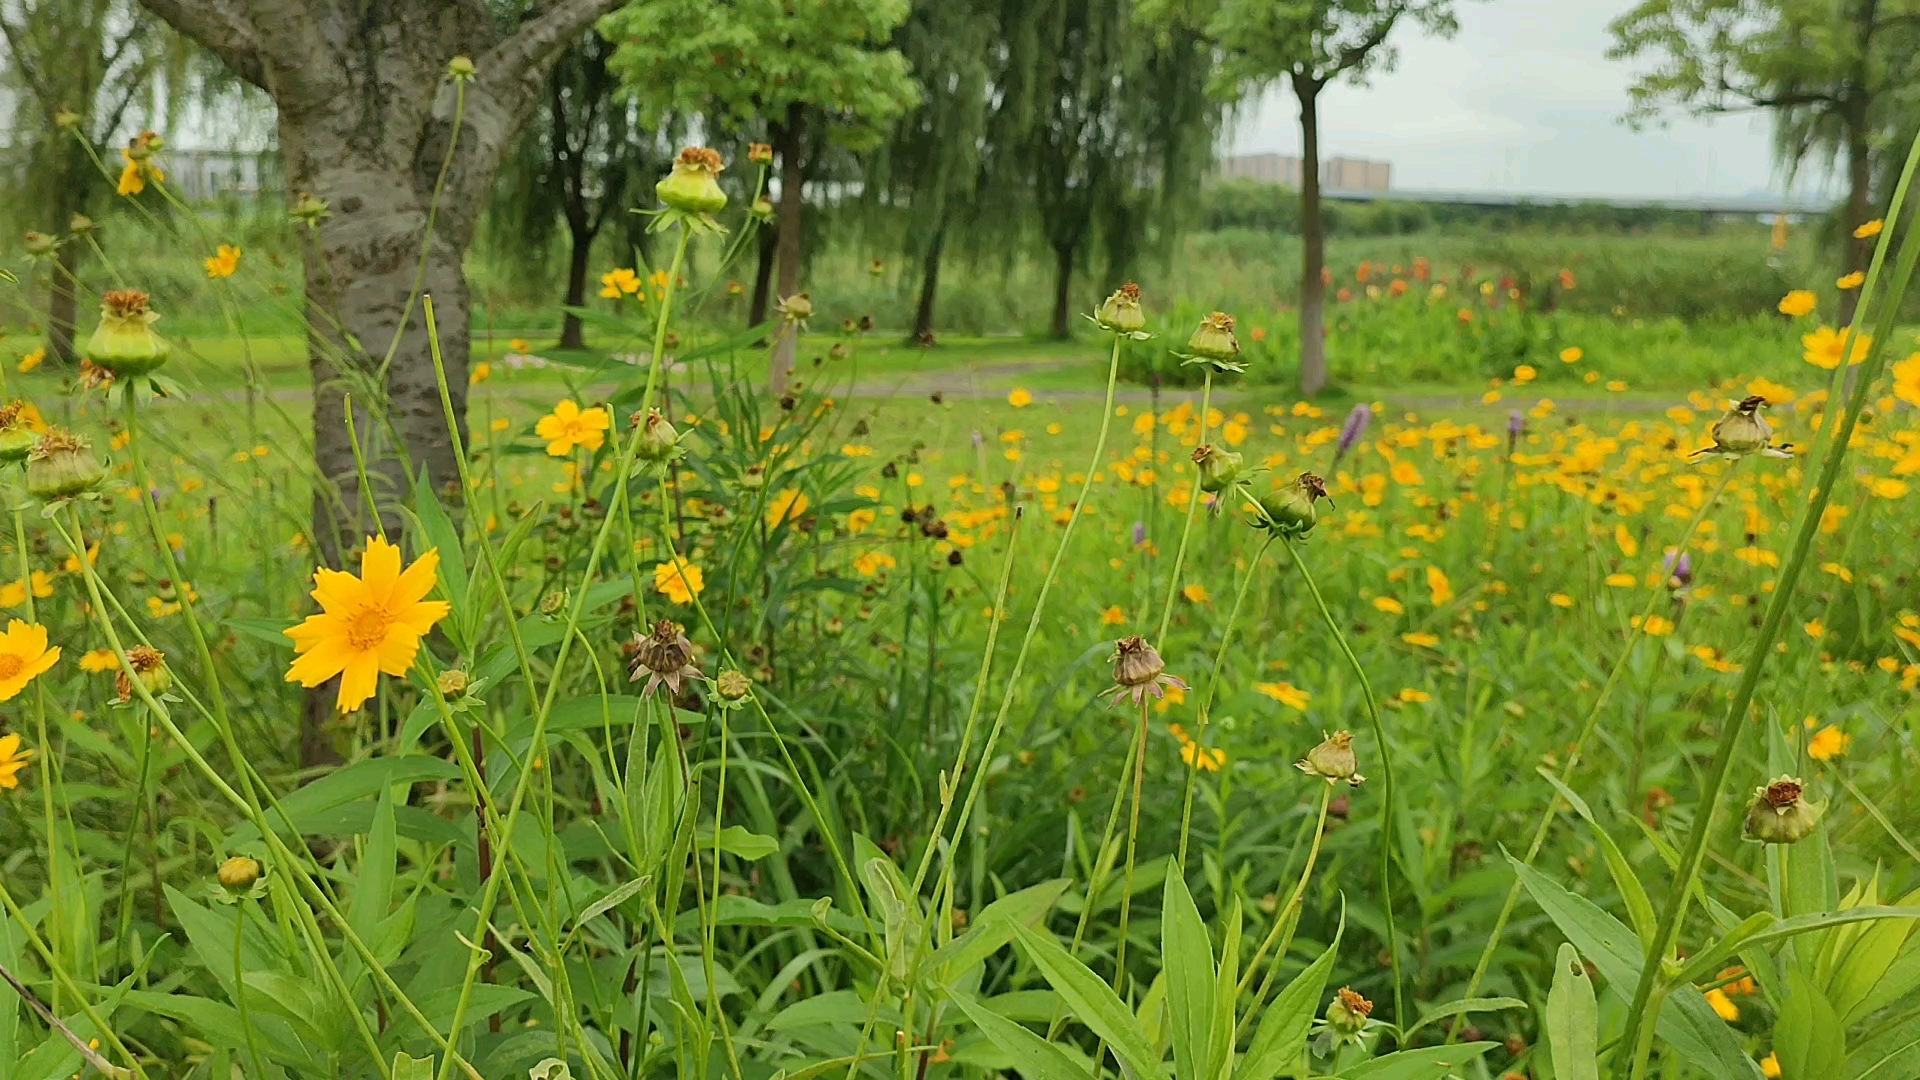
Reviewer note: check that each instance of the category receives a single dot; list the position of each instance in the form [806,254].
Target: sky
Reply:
[1522,99]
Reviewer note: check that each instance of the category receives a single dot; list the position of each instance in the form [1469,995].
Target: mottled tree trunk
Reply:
[1313,260]
[929,283]
[790,142]
[758,306]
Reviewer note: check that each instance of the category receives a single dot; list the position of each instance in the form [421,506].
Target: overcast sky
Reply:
[1522,99]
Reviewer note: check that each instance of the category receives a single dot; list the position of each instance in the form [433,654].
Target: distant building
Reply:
[1336,173]
[201,175]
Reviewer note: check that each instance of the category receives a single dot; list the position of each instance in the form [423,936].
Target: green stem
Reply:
[1213,685]
[1286,921]
[1400,1015]
[1133,840]
[1695,852]
[1193,505]
[240,986]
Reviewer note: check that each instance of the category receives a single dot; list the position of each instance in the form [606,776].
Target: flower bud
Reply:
[760,153]
[762,209]
[61,465]
[1778,814]
[1332,760]
[452,683]
[66,119]
[39,244]
[238,874]
[124,342]
[1347,1013]
[79,224]
[1121,312]
[461,69]
[1213,339]
[1291,509]
[16,438]
[1218,468]
[658,439]
[797,308]
[694,183]
[731,685]
[308,209]
[752,477]
[149,667]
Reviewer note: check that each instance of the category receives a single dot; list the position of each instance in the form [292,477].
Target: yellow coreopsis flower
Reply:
[98,660]
[568,426]
[1798,303]
[787,506]
[368,625]
[1286,694]
[12,760]
[1439,586]
[617,283]
[1571,354]
[1869,230]
[24,654]
[1019,399]
[1906,380]
[869,563]
[1849,281]
[1823,347]
[1113,616]
[32,360]
[1195,593]
[1388,605]
[225,260]
[679,581]
[1828,743]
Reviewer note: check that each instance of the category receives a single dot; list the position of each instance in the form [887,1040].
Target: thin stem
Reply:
[1186,529]
[1213,685]
[240,985]
[1387,791]
[1133,840]
[1286,920]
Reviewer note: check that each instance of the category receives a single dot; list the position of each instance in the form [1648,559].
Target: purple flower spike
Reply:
[1352,430]
[1139,534]
[1678,568]
[1516,423]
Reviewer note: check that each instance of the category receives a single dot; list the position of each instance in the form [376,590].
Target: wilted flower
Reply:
[124,342]
[1139,671]
[16,433]
[149,667]
[760,153]
[694,183]
[1347,1013]
[1213,342]
[1290,510]
[1744,431]
[1121,312]
[659,441]
[663,656]
[1332,760]
[61,465]
[1352,430]
[1218,468]
[1778,814]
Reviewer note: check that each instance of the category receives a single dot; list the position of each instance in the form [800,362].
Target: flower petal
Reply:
[358,681]
[379,568]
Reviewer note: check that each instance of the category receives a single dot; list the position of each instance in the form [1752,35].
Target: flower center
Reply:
[368,630]
[10,665]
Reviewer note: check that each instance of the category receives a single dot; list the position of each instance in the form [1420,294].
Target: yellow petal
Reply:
[357,681]
[415,581]
[337,590]
[397,652]
[379,568]
[420,617]
[322,662]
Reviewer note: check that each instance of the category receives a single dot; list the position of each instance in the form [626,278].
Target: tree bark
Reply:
[929,284]
[1313,290]
[572,336]
[762,279]
[1859,208]
[1062,327]
[791,138]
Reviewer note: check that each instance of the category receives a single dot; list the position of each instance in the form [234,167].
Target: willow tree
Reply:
[79,71]
[1308,45]
[816,74]
[1833,73]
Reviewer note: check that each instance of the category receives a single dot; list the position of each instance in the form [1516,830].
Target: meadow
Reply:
[1011,706]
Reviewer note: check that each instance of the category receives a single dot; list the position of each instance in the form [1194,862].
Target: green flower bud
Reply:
[732,686]
[452,683]
[1213,339]
[694,183]
[797,308]
[461,69]
[1291,509]
[762,209]
[658,439]
[1347,1013]
[753,477]
[1332,760]
[16,438]
[1218,468]
[124,342]
[1121,312]
[61,465]
[238,874]
[39,244]
[1778,815]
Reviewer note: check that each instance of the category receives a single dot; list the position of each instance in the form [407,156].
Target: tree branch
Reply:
[513,70]
[221,28]
[1352,56]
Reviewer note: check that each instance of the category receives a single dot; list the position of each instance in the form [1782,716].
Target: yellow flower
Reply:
[1850,281]
[1019,399]
[1195,593]
[1799,302]
[787,506]
[1828,743]
[1629,545]
[131,182]
[615,283]
[97,660]
[1525,373]
[224,262]
[1621,581]
[1560,600]
[568,426]
[500,424]
[23,654]
[1815,629]
[1906,379]
[1286,694]
[1723,1005]
[1656,626]
[1869,230]
[1210,758]
[1113,616]
[1887,488]
[1770,1067]
[1616,385]
[1823,347]
[1413,696]
[1420,639]
[12,760]
[481,372]
[367,625]
[870,563]
[1775,393]
[32,360]
[1388,605]
[1438,584]
[1571,354]
[679,581]
[1405,474]
[13,594]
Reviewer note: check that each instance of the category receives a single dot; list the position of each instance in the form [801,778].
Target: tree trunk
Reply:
[791,138]
[1859,208]
[929,284]
[572,335]
[762,279]
[1062,290]
[1313,290]
[61,305]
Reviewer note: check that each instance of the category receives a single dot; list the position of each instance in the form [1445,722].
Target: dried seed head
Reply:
[797,308]
[1121,312]
[760,153]
[731,685]
[16,438]
[1291,509]
[658,438]
[1136,663]
[1213,339]
[123,303]
[1333,760]
[1347,1013]
[1779,814]
[150,667]
[124,343]
[694,184]
[62,465]
[663,656]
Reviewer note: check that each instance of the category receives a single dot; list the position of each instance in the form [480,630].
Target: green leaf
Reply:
[373,888]
[1807,1034]
[1226,996]
[271,631]
[1573,1020]
[1890,1053]
[834,1007]
[993,928]
[1461,1008]
[1426,1063]
[345,784]
[437,532]
[1034,1058]
[1632,892]
[1092,1002]
[408,1067]
[741,842]
[613,899]
[1187,955]
[1282,1035]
